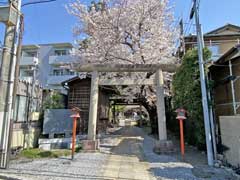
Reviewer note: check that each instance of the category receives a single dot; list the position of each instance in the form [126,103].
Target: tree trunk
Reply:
[152,111]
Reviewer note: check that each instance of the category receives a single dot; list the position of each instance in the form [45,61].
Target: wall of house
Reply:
[222,92]
[224,47]
[79,96]
[24,135]
[236,72]
[23,138]
[222,97]
[217,44]
[230,136]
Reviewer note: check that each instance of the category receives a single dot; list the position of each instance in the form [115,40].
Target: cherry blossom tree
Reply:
[127,32]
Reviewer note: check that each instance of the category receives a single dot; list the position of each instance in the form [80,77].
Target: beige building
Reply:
[225,74]
[224,43]
[219,41]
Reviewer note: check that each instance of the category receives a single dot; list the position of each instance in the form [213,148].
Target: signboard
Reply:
[9,15]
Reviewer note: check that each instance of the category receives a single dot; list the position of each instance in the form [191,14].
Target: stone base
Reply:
[57,143]
[164,147]
[90,145]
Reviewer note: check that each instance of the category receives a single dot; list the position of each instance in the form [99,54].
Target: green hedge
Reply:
[187,94]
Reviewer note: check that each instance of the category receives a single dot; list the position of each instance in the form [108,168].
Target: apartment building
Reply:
[39,70]
[41,63]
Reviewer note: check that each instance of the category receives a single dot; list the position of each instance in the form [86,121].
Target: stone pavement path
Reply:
[119,167]
[136,143]
[127,160]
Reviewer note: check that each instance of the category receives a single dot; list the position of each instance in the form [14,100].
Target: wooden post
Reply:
[93,107]
[181,138]
[75,116]
[161,106]
[74,133]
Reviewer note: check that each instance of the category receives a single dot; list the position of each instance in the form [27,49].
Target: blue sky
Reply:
[48,23]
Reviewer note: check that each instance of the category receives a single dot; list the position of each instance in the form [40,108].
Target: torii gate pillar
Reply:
[92,125]
[163,145]
[92,143]
[162,133]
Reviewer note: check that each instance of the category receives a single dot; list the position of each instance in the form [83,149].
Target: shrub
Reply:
[187,94]
[54,101]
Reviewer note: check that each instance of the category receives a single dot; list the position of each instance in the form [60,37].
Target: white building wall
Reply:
[44,68]
[46,65]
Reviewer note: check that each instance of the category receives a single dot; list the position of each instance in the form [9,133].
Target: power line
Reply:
[37,2]
[187,19]
[188,28]
[29,3]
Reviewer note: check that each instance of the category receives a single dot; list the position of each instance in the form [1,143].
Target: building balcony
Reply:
[28,61]
[57,80]
[59,60]
[215,57]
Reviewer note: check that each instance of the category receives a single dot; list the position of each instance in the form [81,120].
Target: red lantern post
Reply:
[75,116]
[181,115]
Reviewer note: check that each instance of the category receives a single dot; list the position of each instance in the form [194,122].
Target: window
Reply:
[20,111]
[61,72]
[35,105]
[24,72]
[61,52]
[58,72]
[21,108]
[215,52]
[69,72]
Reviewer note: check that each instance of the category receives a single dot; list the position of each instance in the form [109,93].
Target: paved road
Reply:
[126,154]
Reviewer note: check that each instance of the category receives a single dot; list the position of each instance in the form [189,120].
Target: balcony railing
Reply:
[58,60]
[28,61]
[26,78]
[215,57]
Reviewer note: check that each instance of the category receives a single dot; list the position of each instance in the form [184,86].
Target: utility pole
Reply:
[195,11]
[10,15]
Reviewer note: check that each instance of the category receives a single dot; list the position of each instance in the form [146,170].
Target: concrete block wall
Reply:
[230,134]
[21,138]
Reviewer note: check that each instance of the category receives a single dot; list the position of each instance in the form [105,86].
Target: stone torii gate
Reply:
[92,143]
